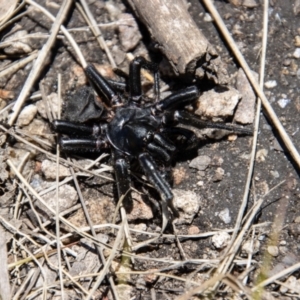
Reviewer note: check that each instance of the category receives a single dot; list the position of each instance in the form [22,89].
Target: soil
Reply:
[276,227]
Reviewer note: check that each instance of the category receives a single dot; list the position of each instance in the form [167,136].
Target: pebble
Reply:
[200,162]
[67,197]
[294,229]
[26,115]
[246,108]
[187,203]
[224,215]
[292,282]
[217,105]
[273,250]
[219,174]
[207,18]
[261,155]
[49,170]
[270,84]
[220,240]
[296,53]
[129,33]
[275,174]
[193,230]
[140,210]
[283,102]
[251,247]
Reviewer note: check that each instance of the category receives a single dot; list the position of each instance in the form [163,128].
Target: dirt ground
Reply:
[184,262]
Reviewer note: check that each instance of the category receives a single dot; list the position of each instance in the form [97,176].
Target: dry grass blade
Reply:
[7,10]
[14,67]
[96,30]
[4,283]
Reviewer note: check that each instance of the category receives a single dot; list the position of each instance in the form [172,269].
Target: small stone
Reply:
[286,62]
[297,219]
[140,210]
[296,53]
[219,174]
[261,155]
[246,108]
[129,33]
[187,203]
[294,229]
[220,240]
[218,104]
[26,115]
[200,183]
[49,170]
[224,215]
[207,18]
[67,197]
[292,283]
[273,250]
[217,161]
[275,174]
[251,247]
[178,175]
[270,84]
[193,230]
[283,102]
[19,43]
[200,162]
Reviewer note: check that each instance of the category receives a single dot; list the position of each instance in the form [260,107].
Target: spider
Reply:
[136,130]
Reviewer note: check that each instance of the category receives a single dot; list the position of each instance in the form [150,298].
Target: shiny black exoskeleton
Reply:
[136,131]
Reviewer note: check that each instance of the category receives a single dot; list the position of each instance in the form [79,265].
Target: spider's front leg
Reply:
[94,137]
[135,83]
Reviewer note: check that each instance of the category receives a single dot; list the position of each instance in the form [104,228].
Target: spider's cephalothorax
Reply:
[145,133]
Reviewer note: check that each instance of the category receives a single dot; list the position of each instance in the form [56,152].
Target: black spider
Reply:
[133,130]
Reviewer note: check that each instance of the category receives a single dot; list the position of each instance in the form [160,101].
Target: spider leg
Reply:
[70,128]
[180,98]
[122,177]
[183,138]
[135,85]
[102,86]
[78,145]
[161,185]
[160,146]
[187,118]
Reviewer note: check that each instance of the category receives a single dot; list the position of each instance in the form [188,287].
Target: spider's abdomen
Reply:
[130,128]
